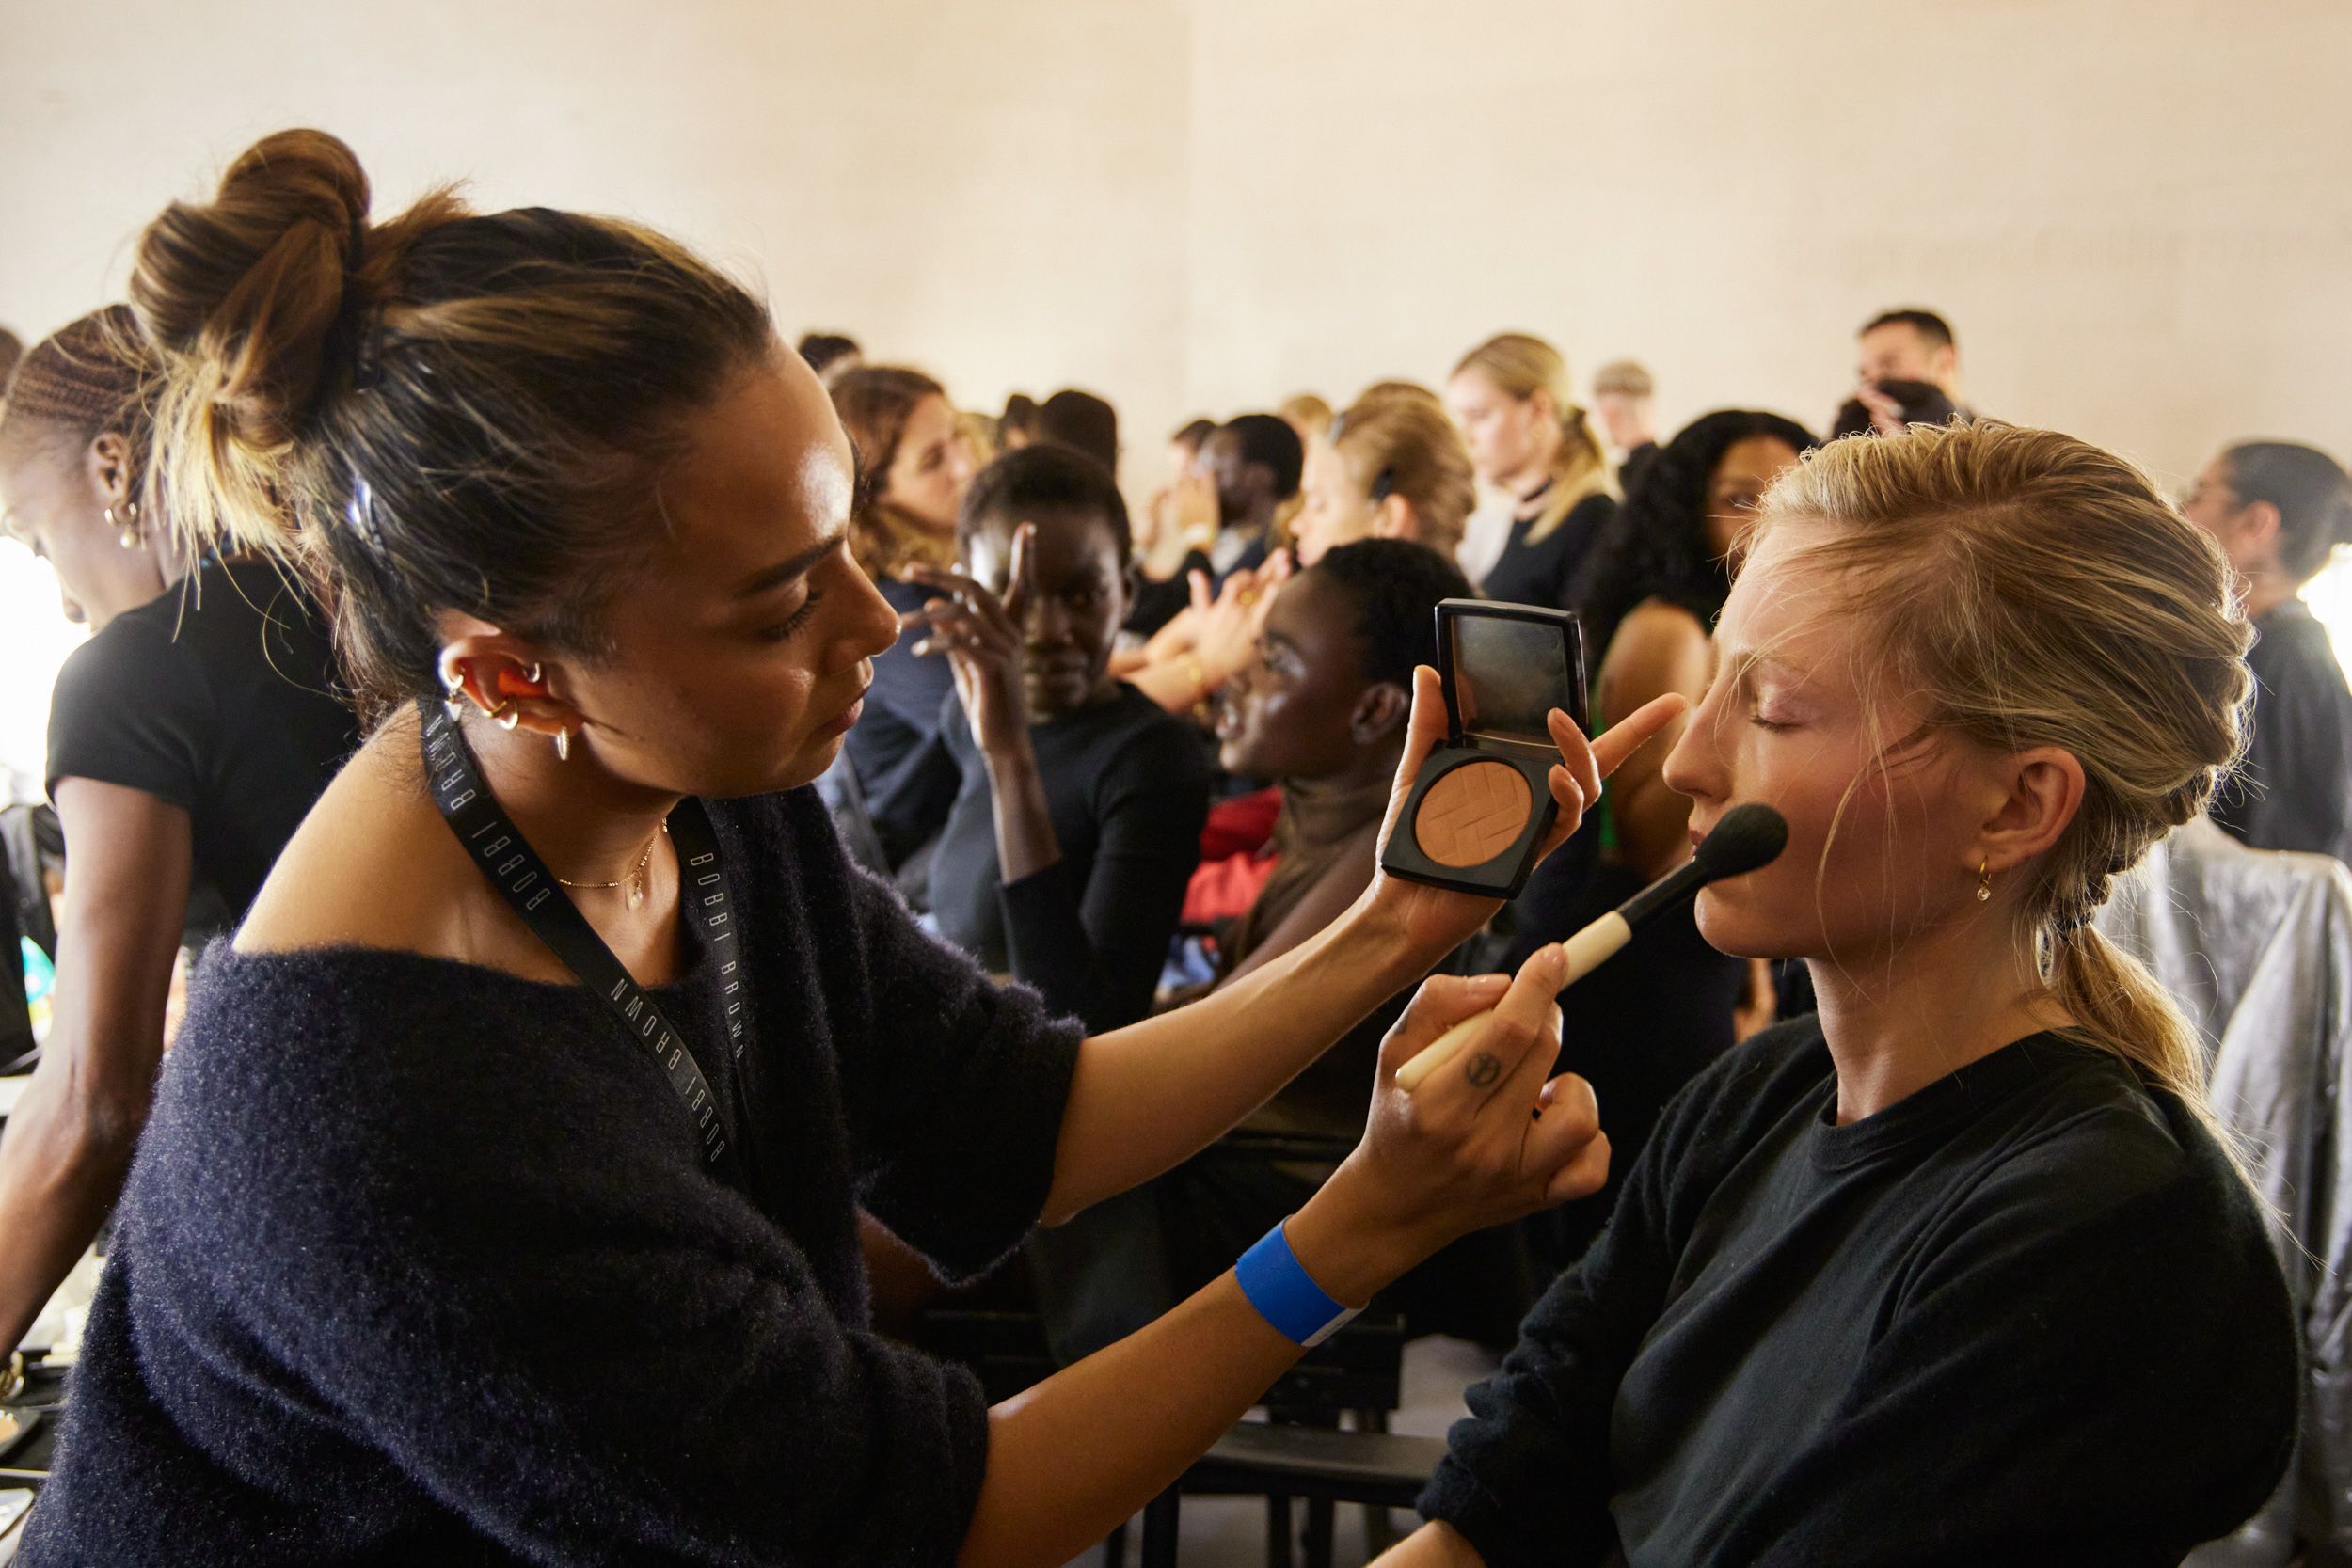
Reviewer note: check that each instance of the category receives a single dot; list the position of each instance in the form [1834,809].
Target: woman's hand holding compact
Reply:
[1429,921]
[1491,1139]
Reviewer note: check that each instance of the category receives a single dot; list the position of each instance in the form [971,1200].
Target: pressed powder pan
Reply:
[1472,813]
[1483,801]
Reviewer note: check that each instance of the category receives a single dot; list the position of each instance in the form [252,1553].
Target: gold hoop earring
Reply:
[1984,885]
[562,745]
[506,715]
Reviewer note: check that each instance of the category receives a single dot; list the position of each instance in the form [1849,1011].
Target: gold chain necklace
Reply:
[634,881]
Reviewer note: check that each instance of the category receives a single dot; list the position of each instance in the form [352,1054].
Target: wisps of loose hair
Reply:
[2020,588]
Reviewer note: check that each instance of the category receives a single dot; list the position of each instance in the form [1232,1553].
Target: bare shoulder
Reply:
[1658,648]
[375,865]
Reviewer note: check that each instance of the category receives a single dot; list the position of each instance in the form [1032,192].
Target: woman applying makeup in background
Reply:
[1064,860]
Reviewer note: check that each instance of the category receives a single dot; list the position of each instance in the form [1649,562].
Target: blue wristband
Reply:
[1278,1285]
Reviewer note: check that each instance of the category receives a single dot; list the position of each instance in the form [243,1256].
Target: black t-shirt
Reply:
[1127,788]
[1538,573]
[219,698]
[2029,1314]
[2295,789]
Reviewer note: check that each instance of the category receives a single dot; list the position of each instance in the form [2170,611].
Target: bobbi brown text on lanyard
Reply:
[516,870]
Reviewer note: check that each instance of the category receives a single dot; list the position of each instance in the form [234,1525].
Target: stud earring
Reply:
[1984,885]
[562,745]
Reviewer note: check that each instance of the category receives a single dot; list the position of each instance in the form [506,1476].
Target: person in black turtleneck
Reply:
[1324,710]
[2279,511]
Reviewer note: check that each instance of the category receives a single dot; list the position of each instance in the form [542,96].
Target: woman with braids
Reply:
[1958,1271]
[434,1253]
[187,740]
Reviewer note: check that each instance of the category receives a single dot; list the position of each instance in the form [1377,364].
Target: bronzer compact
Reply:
[1482,803]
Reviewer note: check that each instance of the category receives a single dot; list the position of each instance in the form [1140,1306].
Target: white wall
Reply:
[2138,212]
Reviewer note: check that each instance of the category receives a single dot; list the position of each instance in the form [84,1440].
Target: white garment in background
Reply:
[1485,534]
[2255,947]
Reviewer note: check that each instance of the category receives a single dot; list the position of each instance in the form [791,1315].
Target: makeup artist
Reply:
[426,1256]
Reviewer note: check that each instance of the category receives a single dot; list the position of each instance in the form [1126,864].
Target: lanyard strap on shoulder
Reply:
[498,846]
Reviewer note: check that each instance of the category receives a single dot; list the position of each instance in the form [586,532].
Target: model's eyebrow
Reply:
[785,570]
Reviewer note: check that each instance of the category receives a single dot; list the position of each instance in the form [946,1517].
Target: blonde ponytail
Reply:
[1521,365]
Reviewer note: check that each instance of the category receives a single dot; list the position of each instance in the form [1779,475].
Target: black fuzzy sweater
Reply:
[418,1262]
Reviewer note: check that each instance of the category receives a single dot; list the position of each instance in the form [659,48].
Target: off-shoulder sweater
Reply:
[418,1261]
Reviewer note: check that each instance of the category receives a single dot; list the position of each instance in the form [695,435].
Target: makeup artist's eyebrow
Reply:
[785,570]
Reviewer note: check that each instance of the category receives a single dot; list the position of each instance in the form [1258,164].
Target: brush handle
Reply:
[1585,951]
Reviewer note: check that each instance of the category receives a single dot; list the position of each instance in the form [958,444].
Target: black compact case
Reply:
[1504,668]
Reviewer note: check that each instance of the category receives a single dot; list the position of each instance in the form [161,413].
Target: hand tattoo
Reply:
[1484,1069]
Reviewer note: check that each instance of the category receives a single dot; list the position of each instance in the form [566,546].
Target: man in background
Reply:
[1255,461]
[1914,346]
[1621,401]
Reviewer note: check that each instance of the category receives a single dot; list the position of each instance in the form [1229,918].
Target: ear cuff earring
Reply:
[1984,885]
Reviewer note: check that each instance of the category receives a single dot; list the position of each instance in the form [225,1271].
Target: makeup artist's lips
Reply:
[849,716]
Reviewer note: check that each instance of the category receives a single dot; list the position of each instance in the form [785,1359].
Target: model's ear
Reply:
[1379,713]
[2035,794]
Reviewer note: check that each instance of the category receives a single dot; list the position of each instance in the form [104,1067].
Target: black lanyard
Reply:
[517,871]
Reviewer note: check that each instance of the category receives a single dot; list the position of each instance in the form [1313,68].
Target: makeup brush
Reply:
[1749,836]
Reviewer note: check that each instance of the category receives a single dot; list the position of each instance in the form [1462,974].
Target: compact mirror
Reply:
[1482,802]
[1509,673]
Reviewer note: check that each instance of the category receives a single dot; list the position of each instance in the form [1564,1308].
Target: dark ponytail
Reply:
[2311,491]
